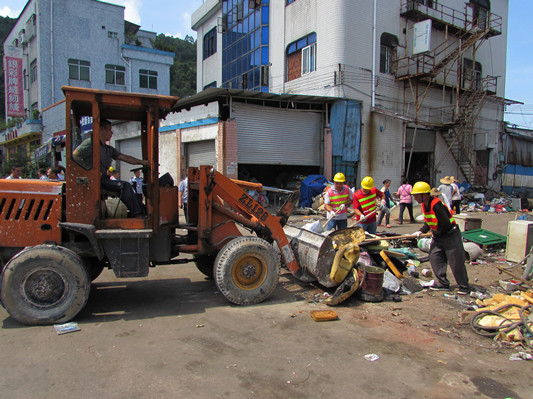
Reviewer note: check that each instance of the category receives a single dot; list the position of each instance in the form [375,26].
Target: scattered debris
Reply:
[371,357]
[324,315]
[66,328]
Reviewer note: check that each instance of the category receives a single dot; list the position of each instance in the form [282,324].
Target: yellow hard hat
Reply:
[111,169]
[339,177]
[421,187]
[367,183]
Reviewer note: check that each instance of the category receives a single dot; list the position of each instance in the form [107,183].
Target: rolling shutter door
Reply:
[201,153]
[277,136]
[129,147]
[424,140]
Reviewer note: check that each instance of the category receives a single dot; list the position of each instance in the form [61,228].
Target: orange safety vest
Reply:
[367,202]
[431,218]
[336,199]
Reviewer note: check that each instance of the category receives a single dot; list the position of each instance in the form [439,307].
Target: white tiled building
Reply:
[446,95]
[84,43]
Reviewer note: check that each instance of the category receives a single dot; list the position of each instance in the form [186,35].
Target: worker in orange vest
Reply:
[447,243]
[336,200]
[365,205]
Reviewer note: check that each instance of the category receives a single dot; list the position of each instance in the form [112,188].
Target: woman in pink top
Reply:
[404,192]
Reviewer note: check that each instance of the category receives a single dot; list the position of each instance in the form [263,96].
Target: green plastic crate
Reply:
[484,237]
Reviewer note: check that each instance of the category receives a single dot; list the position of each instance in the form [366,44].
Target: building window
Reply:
[147,79]
[471,75]
[245,43]
[210,43]
[309,59]
[480,11]
[387,53]
[33,71]
[112,35]
[115,75]
[301,57]
[78,69]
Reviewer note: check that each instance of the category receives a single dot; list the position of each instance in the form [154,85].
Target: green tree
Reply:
[183,71]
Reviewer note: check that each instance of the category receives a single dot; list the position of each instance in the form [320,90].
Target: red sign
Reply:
[13,82]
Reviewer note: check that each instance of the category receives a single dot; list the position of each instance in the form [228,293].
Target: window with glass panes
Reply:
[147,79]
[115,74]
[245,44]
[78,69]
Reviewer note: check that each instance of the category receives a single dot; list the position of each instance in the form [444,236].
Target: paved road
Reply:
[173,335]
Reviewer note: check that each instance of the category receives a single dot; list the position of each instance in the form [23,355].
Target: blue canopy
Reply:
[311,187]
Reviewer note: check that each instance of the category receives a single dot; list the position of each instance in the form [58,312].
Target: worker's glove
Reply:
[330,214]
[417,234]
[342,207]
[362,218]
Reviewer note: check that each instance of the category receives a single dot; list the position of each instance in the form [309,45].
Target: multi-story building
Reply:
[420,83]
[84,43]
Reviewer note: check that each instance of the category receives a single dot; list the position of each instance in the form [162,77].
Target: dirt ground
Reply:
[173,335]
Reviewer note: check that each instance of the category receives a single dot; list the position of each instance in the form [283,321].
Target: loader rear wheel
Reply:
[247,270]
[205,263]
[45,284]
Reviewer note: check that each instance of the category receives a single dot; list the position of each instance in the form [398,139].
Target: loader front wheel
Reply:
[45,284]
[247,270]
[205,263]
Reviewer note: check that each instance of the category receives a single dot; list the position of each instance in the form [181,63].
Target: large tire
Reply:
[247,270]
[205,263]
[45,284]
[94,267]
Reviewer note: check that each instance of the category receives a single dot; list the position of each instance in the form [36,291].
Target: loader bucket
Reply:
[315,252]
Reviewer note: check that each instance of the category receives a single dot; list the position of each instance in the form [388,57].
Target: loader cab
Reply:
[85,108]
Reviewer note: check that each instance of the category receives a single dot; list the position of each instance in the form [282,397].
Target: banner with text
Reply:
[13,82]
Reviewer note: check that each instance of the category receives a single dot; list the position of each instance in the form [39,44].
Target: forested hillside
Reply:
[183,72]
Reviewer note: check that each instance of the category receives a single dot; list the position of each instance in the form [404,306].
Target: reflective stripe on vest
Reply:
[430,217]
[368,202]
[335,200]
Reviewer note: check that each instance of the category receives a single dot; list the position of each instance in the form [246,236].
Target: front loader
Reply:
[57,237]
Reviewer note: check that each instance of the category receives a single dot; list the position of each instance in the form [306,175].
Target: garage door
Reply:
[277,136]
[129,147]
[201,153]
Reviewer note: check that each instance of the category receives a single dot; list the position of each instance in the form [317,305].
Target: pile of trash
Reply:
[505,318]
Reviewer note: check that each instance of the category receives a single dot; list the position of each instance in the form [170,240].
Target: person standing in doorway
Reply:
[385,204]
[404,192]
[137,183]
[16,172]
[446,190]
[364,205]
[183,196]
[456,196]
[336,200]
[447,243]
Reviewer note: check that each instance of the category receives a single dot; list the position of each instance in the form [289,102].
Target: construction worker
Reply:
[336,200]
[447,244]
[364,205]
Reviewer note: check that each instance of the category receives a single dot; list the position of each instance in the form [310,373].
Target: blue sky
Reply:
[175,20]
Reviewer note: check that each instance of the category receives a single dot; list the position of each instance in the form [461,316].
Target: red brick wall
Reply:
[229,149]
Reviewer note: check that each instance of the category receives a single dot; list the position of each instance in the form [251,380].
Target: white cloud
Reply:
[8,12]
[132,11]
[178,35]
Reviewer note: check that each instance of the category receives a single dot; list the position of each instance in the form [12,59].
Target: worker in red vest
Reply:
[336,200]
[364,205]
[447,243]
